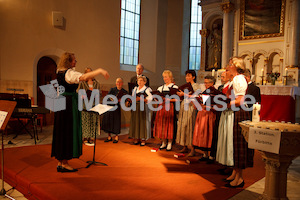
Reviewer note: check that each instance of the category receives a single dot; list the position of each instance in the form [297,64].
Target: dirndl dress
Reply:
[140,122]
[165,119]
[67,133]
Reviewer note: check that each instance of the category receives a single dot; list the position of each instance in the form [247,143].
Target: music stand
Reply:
[7,106]
[100,109]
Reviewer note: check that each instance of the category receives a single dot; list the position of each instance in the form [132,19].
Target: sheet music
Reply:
[3,115]
[101,108]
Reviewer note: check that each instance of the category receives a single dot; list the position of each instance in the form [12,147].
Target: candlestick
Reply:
[285,80]
[262,71]
[262,80]
[213,72]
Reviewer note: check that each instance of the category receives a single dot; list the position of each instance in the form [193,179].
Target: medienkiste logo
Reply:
[54,100]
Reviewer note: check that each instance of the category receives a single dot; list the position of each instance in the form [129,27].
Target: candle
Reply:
[213,72]
[286,71]
[262,72]
[256,112]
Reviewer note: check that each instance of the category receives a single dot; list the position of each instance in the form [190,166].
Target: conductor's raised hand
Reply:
[105,74]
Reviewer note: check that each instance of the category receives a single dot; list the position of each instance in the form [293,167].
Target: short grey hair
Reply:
[143,77]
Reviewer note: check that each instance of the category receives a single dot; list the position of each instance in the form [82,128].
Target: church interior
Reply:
[175,35]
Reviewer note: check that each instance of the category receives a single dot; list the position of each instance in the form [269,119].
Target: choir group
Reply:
[215,132]
[181,120]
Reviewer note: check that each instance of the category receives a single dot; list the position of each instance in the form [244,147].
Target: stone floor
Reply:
[250,193]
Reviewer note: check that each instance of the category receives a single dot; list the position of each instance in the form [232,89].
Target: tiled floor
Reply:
[250,193]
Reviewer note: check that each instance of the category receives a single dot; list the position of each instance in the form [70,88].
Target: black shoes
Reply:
[108,140]
[210,161]
[62,169]
[59,168]
[227,180]
[204,159]
[235,186]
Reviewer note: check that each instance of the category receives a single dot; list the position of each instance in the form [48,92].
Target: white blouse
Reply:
[166,87]
[148,91]
[72,76]
[240,85]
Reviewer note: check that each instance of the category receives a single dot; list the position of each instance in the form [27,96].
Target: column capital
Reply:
[227,7]
[204,32]
[272,165]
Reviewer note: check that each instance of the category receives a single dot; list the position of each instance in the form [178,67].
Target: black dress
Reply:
[111,122]
[255,92]
[67,134]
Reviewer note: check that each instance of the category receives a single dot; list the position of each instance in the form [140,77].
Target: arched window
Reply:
[195,37]
[129,32]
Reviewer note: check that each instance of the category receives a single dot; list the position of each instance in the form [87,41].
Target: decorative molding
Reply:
[210,17]
[272,165]
[204,32]
[246,53]
[208,2]
[227,7]
[262,52]
[260,42]
[277,51]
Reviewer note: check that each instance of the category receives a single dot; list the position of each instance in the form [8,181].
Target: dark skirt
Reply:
[139,129]
[111,122]
[67,134]
[243,156]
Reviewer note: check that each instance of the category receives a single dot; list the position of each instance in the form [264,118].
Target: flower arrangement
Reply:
[273,76]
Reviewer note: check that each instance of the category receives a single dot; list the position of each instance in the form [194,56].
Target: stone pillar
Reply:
[276,175]
[295,33]
[227,36]
[204,33]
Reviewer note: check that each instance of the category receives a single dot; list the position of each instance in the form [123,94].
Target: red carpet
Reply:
[133,172]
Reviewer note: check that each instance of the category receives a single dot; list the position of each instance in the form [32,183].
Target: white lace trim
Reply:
[279,90]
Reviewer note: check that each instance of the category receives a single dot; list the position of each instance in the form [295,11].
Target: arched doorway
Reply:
[46,71]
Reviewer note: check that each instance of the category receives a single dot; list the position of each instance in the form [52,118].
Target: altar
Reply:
[278,103]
